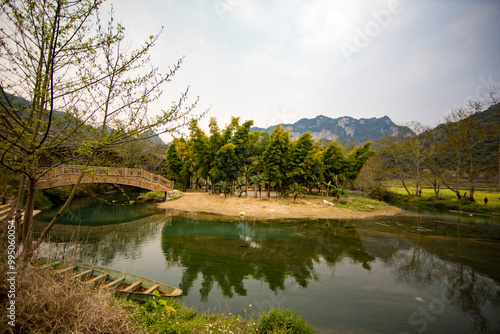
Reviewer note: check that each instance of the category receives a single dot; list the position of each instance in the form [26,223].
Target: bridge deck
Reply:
[68,175]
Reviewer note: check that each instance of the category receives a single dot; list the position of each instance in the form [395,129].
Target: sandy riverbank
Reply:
[273,208]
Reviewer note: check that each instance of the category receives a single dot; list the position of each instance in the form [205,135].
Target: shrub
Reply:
[42,201]
[382,194]
[277,320]
[152,196]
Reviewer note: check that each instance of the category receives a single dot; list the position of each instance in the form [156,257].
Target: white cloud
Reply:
[269,59]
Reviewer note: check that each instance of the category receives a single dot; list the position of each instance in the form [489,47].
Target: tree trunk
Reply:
[269,187]
[472,177]
[28,218]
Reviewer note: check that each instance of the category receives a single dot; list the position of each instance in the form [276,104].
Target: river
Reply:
[411,273]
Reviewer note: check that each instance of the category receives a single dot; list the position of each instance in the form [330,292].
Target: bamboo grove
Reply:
[234,159]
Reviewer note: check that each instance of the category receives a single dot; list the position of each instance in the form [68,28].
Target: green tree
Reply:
[335,163]
[302,160]
[356,159]
[276,160]
[243,142]
[173,162]
[199,151]
[225,165]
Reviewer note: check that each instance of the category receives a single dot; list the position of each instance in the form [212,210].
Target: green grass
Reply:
[448,201]
[355,202]
[172,316]
[446,194]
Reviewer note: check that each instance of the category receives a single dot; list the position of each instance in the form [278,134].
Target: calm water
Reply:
[412,273]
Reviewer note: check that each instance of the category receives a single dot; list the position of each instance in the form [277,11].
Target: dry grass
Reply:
[49,304]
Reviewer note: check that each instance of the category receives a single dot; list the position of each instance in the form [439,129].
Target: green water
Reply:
[412,273]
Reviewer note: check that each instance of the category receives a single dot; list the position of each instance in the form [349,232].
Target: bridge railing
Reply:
[106,171]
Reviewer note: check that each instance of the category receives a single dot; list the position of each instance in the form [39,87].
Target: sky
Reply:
[278,61]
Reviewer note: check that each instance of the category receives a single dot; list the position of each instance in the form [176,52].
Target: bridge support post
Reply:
[166,196]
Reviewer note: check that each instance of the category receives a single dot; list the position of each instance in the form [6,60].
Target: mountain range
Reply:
[343,129]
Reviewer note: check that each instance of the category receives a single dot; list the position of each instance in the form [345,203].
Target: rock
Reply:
[271,210]
[328,202]
[371,207]
[242,214]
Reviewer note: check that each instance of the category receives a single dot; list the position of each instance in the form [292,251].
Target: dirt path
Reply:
[271,208]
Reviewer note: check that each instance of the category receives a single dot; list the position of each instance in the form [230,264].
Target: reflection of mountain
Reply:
[226,253]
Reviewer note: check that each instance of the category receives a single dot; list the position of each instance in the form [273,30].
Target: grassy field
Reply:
[446,194]
[448,200]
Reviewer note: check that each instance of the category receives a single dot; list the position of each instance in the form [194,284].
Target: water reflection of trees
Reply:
[111,209]
[227,253]
[101,244]
[429,263]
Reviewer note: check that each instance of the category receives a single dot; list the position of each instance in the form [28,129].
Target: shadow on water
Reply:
[405,274]
[267,252]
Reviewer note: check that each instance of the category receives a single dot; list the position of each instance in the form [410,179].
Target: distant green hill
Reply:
[22,104]
[343,129]
[486,152]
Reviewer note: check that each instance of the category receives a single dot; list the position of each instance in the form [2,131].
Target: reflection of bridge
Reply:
[68,175]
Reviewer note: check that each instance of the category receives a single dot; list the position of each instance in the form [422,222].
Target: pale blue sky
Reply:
[283,60]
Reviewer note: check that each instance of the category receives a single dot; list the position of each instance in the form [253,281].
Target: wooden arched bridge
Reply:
[67,175]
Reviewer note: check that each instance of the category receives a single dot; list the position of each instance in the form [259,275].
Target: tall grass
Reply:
[49,304]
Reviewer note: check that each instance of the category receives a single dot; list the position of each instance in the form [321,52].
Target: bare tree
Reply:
[86,94]
[464,133]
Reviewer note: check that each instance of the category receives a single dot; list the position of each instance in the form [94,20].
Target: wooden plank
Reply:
[175,293]
[151,289]
[132,287]
[64,270]
[82,274]
[116,281]
[96,279]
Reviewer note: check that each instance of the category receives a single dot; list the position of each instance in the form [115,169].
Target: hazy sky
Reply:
[277,61]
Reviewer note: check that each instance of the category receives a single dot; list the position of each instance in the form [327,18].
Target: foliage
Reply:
[152,196]
[231,158]
[277,320]
[171,316]
[42,201]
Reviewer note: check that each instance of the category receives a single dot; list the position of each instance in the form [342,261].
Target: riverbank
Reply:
[313,207]
[45,303]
